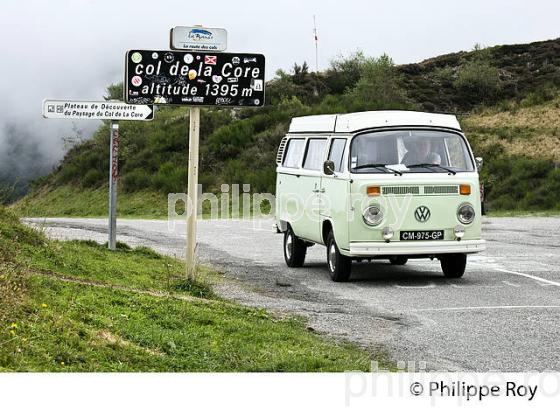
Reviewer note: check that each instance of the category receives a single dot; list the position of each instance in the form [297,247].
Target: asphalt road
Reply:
[503,315]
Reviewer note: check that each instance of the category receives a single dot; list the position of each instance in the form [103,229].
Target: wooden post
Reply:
[192,191]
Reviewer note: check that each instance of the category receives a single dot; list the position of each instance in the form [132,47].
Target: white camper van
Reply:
[388,185]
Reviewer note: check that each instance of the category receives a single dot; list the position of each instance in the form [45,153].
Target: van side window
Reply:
[294,152]
[337,152]
[314,155]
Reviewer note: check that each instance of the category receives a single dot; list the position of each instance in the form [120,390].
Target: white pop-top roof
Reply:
[371,119]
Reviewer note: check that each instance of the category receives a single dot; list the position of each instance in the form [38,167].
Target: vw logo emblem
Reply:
[422,213]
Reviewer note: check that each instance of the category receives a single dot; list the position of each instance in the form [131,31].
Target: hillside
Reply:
[522,69]
[507,98]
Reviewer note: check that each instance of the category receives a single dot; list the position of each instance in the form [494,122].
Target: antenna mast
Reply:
[316,45]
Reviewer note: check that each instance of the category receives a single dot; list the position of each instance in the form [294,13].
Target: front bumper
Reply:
[414,248]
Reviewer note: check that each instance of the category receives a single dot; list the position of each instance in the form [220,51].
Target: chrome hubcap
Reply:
[289,242]
[332,257]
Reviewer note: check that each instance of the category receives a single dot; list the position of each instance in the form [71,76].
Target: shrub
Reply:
[135,180]
[170,178]
[92,178]
[378,87]
[477,80]
[521,183]
[344,72]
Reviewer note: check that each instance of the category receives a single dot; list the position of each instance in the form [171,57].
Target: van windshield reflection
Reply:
[410,151]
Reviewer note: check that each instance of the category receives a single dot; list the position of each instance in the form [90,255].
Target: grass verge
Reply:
[75,306]
[73,201]
[68,200]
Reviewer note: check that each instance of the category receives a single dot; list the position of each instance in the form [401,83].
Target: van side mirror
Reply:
[328,167]
[479,162]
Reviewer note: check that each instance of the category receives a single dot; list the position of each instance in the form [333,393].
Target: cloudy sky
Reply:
[72,49]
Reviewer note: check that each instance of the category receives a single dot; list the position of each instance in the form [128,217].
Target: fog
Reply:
[73,49]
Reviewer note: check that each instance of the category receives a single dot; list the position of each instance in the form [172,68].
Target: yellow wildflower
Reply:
[13,325]
[44,305]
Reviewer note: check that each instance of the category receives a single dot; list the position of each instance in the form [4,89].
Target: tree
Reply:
[344,72]
[478,81]
[115,92]
[379,86]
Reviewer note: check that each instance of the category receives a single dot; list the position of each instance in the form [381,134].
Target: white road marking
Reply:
[537,278]
[431,285]
[526,275]
[483,308]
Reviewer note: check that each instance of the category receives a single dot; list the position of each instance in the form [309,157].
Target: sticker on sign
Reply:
[198,38]
[96,110]
[194,78]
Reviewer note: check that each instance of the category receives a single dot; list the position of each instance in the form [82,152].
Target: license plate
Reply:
[421,235]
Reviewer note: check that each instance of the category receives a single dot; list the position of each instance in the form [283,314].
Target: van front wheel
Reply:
[453,265]
[294,249]
[340,266]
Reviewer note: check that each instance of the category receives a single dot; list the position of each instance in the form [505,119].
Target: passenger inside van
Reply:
[419,151]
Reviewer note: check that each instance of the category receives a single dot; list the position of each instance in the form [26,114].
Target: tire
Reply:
[340,266]
[453,265]
[398,260]
[294,249]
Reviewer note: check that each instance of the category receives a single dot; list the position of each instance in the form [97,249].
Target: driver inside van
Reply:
[419,151]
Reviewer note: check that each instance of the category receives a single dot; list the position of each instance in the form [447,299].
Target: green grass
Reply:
[74,201]
[75,306]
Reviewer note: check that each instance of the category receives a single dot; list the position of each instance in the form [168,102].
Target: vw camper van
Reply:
[391,185]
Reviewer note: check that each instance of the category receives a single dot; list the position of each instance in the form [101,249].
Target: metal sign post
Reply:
[102,110]
[113,178]
[192,191]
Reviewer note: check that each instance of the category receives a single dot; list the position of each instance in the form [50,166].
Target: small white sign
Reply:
[198,38]
[96,110]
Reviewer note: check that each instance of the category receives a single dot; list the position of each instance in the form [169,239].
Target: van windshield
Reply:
[410,151]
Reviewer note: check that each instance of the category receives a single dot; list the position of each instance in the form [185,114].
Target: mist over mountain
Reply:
[22,158]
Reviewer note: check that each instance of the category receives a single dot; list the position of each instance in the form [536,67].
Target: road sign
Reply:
[102,110]
[97,110]
[194,78]
[198,38]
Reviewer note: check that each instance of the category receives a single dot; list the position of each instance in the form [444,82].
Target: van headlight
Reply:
[372,215]
[465,213]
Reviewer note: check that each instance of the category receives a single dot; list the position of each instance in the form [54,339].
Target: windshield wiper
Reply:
[432,166]
[378,166]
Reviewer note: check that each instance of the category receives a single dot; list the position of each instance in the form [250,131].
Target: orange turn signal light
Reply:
[465,189]
[373,190]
